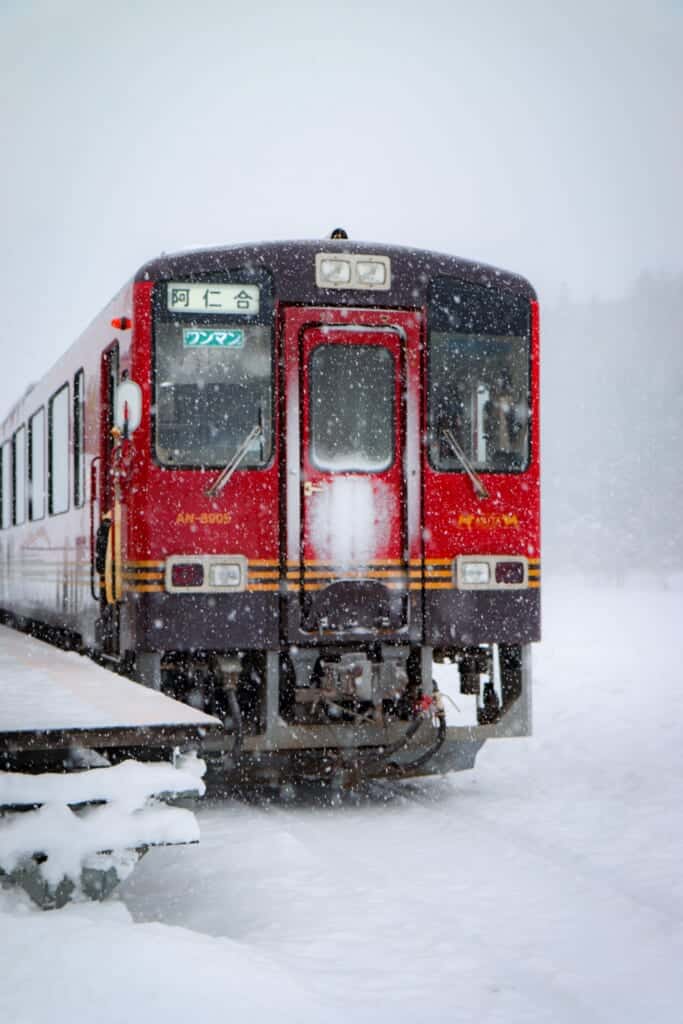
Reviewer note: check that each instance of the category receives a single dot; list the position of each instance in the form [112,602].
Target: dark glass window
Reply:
[478,391]
[19,481]
[79,439]
[58,452]
[209,396]
[351,395]
[6,483]
[36,465]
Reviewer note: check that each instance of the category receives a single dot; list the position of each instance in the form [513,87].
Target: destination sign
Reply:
[199,338]
[188,297]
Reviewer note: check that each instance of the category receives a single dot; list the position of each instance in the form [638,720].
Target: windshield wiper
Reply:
[224,476]
[479,488]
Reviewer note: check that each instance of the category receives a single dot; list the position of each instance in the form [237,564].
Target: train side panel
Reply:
[47,560]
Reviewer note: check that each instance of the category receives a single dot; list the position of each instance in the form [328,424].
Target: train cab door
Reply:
[106,512]
[353,554]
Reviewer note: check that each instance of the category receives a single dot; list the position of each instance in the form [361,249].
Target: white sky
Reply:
[546,138]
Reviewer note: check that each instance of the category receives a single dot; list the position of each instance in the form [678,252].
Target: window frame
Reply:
[394,370]
[499,314]
[6,499]
[16,521]
[30,464]
[78,421]
[265,318]
[50,451]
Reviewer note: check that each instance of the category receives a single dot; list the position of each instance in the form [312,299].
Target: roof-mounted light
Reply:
[334,273]
[371,273]
[345,270]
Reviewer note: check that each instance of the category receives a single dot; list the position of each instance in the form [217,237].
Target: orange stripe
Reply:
[379,562]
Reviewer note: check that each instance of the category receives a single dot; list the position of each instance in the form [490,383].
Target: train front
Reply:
[334,486]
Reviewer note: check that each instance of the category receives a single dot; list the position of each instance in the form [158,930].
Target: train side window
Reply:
[19,476]
[6,483]
[58,452]
[79,439]
[36,465]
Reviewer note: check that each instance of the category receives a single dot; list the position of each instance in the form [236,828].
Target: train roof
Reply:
[292,262]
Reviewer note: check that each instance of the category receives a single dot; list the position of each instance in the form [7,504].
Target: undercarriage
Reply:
[324,711]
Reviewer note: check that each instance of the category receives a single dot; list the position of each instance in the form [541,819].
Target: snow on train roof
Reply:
[45,689]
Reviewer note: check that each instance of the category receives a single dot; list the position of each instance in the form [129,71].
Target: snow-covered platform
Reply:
[54,699]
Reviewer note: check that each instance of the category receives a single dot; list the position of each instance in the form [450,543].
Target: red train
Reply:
[280,481]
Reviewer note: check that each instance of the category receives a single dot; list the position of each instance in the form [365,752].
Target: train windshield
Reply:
[478,392]
[214,383]
[351,401]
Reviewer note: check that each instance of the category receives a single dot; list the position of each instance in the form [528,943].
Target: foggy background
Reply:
[547,139]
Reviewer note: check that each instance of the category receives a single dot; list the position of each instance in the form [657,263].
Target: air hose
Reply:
[228,670]
[407,768]
[237,725]
[398,768]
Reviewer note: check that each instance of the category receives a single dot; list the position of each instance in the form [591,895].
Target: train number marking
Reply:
[203,518]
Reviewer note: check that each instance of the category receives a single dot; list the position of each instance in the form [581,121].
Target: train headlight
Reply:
[334,272]
[225,574]
[475,573]
[371,272]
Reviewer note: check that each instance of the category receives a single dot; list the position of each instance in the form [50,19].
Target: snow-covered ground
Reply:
[544,886]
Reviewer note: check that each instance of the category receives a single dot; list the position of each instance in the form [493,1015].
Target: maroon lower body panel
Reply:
[185,622]
[481,616]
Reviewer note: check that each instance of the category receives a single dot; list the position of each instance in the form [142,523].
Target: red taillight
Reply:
[187,574]
[509,572]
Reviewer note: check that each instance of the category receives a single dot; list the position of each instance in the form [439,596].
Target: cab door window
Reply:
[352,408]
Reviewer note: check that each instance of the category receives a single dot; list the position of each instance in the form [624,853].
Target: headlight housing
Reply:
[370,272]
[491,572]
[206,574]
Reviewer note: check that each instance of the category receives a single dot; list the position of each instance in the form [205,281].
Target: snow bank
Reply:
[128,784]
[68,839]
[88,964]
[544,886]
[57,852]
